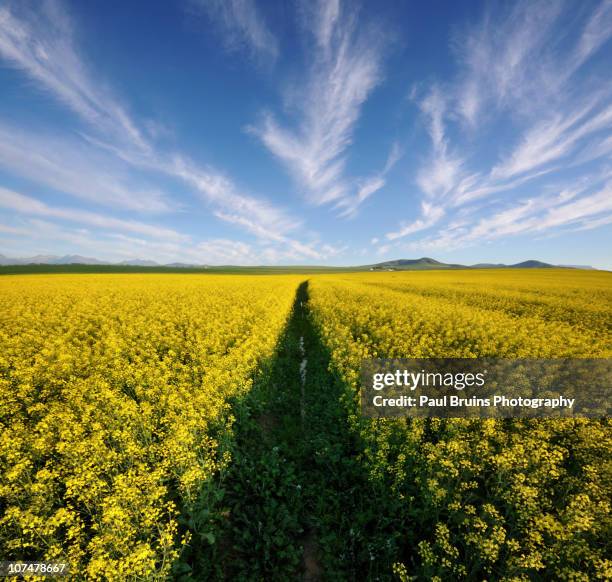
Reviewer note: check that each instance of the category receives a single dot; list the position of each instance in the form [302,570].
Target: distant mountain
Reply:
[421,261]
[51,260]
[80,260]
[412,264]
[532,265]
[42,259]
[39,259]
[72,260]
[428,263]
[424,263]
[75,260]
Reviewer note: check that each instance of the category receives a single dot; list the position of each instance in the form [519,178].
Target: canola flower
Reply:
[480,499]
[114,399]
[112,389]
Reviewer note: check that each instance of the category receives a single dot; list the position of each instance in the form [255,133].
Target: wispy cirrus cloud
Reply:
[261,219]
[68,165]
[582,206]
[242,27]
[136,239]
[442,172]
[366,187]
[345,65]
[36,236]
[512,60]
[35,230]
[573,137]
[511,68]
[28,205]
[553,139]
[42,43]
[430,215]
[498,68]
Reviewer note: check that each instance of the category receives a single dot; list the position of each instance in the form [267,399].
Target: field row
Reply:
[113,395]
[512,500]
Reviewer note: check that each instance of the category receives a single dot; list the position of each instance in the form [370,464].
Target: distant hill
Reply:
[70,260]
[428,263]
[412,264]
[76,260]
[424,263]
[51,260]
[532,265]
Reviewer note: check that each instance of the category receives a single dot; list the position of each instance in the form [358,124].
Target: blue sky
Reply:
[304,132]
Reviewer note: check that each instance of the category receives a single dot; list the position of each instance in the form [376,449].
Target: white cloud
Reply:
[43,235]
[345,68]
[323,20]
[511,60]
[597,31]
[241,26]
[478,186]
[442,173]
[578,208]
[72,166]
[350,203]
[383,250]
[218,251]
[575,211]
[7,229]
[544,149]
[553,140]
[504,59]
[31,206]
[512,65]
[257,216]
[430,215]
[40,41]
[109,240]
[591,223]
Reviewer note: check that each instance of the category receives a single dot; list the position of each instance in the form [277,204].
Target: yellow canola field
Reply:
[114,397]
[492,499]
[110,389]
